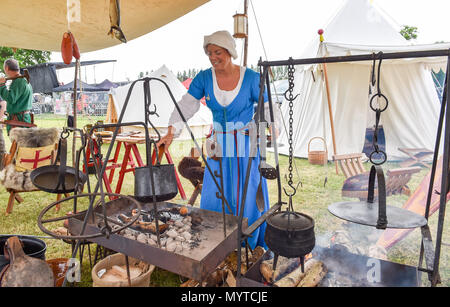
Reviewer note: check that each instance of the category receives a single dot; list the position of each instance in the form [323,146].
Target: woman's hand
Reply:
[167,139]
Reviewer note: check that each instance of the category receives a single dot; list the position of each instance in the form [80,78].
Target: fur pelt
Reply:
[191,168]
[16,180]
[34,137]
[2,143]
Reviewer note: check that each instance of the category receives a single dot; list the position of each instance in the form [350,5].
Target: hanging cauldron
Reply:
[377,213]
[158,179]
[290,234]
[164,179]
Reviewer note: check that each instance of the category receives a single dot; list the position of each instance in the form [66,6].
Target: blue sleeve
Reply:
[197,86]
[255,89]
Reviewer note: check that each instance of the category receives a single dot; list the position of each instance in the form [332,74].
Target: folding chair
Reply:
[357,178]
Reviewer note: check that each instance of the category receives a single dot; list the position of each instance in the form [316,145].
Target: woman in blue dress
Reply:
[230,92]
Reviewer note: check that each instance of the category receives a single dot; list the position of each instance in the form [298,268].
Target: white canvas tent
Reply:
[200,123]
[410,121]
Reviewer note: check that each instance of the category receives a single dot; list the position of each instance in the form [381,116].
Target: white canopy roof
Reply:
[40,25]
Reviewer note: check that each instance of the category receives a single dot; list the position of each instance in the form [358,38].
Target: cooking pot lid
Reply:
[366,213]
[290,220]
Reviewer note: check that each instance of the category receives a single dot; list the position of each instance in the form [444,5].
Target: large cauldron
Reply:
[290,234]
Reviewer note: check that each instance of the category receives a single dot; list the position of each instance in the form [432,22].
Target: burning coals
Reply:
[178,232]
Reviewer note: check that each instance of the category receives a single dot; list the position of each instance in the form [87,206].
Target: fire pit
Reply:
[345,269]
[199,233]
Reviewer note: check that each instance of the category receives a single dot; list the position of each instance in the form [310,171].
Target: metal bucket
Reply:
[164,179]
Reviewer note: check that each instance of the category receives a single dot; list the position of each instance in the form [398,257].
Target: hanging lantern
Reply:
[240,26]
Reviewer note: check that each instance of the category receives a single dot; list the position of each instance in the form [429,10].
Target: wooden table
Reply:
[416,156]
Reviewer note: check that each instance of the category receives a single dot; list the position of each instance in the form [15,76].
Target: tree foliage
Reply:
[191,73]
[25,57]
[409,32]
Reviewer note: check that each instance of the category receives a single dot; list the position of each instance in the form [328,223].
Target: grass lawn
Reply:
[311,198]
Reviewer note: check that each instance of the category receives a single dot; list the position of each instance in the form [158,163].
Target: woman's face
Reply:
[218,56]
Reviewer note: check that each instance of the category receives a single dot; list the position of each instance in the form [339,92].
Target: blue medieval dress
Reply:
[229,125]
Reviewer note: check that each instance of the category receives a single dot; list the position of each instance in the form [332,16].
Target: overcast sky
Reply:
[286,26]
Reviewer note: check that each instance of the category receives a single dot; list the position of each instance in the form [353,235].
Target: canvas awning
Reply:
[43,78]
[84,87]
[40,25]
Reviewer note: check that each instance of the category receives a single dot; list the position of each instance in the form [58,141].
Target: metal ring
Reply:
[379,95]
[65,134]
[382,161]
[82,214]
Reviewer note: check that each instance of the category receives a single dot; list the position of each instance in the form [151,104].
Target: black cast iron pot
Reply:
[165,183]
[290,234]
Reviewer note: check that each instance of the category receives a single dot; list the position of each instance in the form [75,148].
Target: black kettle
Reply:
[153,183]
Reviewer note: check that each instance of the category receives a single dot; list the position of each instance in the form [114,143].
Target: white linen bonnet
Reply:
[222,39]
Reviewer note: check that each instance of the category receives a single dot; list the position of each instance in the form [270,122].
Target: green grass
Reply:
[311,198]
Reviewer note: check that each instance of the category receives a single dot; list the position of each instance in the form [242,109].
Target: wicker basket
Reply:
[119,259]
[317,157]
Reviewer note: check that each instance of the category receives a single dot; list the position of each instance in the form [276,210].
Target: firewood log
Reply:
[284,266]
[292,279]
[314,275]
[314,271]
[190,283]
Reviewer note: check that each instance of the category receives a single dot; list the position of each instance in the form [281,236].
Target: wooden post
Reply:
[74,140]
[330,113]
[246,37]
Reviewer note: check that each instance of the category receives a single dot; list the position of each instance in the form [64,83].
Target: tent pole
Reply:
[330,113]
[246,37]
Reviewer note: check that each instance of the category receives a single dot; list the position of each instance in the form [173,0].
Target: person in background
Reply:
[230,92]
[19,96]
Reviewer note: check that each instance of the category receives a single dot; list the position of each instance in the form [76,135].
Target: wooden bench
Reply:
[357,176]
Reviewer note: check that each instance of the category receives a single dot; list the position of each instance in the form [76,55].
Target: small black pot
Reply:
[32,247]
[165,183]
[290,234]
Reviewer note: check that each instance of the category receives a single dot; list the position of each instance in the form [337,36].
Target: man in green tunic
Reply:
[19,96]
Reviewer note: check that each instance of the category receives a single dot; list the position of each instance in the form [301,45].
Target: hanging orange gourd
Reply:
[69,48]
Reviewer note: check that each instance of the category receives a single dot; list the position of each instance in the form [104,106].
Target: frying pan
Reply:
[44,177]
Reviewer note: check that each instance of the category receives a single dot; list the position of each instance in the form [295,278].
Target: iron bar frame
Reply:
[426,244]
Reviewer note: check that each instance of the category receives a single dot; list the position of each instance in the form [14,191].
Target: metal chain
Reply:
[377,111]
[291,71]
[291,99]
